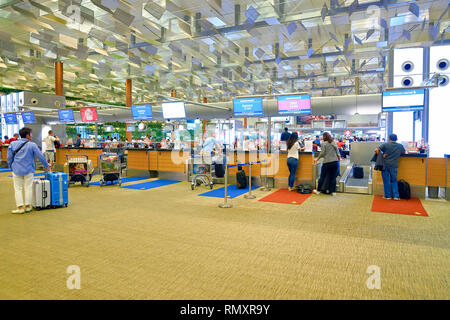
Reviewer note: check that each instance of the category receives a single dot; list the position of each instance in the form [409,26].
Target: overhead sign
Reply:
[294,105]
[247,107]
[10,118]
[66,115]
[173,110]
[28,117]
[403,100]
[142,112]
[88,114]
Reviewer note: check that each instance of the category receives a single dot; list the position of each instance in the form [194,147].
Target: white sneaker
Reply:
[316,192]
[386,198]
[18,211]
[333,194]
[28,209]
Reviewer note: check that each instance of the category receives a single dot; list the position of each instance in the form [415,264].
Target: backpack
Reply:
[241,179]
[304,188]
[403,189]
[57,144]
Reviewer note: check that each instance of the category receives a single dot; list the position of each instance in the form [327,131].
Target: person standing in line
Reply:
[50,151]
[285,135]
[330,166]
[14,138]
[21,155]
[391,153]
[293,147]
[78,141]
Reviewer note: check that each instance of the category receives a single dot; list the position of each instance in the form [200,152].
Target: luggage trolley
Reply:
[78,167]
[200,173]
[110,167]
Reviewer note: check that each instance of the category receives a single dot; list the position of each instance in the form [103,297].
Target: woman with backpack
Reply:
[293,147]
[330,166]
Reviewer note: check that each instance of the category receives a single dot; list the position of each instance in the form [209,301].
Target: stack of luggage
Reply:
[51,191]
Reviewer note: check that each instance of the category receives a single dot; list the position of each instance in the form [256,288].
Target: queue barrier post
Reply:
[266,187]
[225,203]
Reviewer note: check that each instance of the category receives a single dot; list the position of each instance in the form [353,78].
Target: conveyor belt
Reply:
[352,182]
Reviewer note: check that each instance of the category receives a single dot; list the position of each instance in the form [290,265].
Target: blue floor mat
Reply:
[151,184]
[5,170]
[232,192]
[124,180]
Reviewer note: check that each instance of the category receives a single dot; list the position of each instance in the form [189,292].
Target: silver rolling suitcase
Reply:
[41,194]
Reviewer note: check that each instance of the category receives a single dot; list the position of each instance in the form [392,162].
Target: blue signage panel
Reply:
[142,112]
[10,118]
[403,100]
[66,115]
[247,107]
[28,117]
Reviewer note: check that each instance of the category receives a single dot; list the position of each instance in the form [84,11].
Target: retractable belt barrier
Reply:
[225,203]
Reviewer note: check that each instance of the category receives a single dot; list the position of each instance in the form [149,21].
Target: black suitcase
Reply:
[358,172]
[219,170]
[241,179]
[403,189]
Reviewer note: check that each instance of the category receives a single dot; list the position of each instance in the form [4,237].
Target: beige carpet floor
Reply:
[169,243]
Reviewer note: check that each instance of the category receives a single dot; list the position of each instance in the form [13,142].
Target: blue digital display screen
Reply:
[28,117]
[247,107]
[66,115]
[142,112]
[403,100]
[10,118]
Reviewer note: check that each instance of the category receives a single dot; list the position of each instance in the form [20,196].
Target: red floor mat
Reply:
[411,207]
[286,196]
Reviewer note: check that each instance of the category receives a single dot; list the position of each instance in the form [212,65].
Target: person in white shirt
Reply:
[293,147]
[50,151]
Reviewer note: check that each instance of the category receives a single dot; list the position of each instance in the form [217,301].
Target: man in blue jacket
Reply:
[391,153]
[21,155]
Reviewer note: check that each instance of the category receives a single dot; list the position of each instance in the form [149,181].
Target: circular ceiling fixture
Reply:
[141,126]
[443,81]
[407,82]
[407,66]
[442,64]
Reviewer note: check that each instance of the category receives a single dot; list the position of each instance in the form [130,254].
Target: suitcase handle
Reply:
[45,194]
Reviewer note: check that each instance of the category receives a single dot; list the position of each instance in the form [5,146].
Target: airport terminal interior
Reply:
[170,129]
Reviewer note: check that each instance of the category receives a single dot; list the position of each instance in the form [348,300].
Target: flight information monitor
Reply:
[294,104]
[66,115]
[10,118]
[173,110]
[142,112]
[247,107]
[403,100]
[88,114]
[28,117]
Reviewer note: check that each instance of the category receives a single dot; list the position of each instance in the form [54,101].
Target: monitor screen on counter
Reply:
[294,104]
[247,107]
[131,128]
[10,118]
[173,110]
[66,115]
[28,117]
[142,112]
[403,100]
[88,114]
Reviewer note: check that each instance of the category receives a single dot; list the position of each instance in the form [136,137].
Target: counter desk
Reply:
[92,153]
[4,150]
[420,172]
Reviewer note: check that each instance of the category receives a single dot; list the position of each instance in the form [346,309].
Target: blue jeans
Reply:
[292,164]
[389,176]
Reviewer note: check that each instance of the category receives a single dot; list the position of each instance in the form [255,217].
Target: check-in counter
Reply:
[4,150]
[92,153]
[420,172]
[166,161]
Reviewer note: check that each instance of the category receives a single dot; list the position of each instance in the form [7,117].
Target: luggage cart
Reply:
[78,169]
[110,168]
[200,173]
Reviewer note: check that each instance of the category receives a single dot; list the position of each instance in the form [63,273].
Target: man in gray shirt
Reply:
[391,153]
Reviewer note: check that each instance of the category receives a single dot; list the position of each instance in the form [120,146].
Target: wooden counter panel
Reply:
[137,160]
[166,163]
[413,170]
[153,158]
[436,170]
[92,154]
[4,154]
[304,169]
[448,172]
